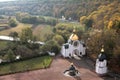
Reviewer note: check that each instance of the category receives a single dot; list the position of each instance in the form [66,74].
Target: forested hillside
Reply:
[106,16]
[99,25]
[69,8]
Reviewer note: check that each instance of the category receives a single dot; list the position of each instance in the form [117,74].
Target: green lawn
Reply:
[3,24]
[31,64]
[18,29]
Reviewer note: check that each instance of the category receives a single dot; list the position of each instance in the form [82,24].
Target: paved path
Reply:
[55,72]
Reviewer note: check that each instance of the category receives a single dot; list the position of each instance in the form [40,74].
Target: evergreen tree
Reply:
[10,56]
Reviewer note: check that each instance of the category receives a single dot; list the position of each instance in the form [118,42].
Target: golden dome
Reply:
[102,50]
[73,37]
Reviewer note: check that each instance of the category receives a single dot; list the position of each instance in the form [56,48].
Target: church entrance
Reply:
[75,52]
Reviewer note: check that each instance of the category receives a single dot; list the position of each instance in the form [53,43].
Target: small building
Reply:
[63,18]
[73,47]
[101,63]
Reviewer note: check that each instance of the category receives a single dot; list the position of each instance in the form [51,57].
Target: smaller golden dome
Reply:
[102,50]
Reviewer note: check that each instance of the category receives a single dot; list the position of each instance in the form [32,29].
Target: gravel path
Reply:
[55,72]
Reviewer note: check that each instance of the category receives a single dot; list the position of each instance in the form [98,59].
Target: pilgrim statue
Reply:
[71,71]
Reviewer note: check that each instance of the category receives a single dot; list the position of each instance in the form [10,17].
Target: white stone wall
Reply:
[101,67]
[70,50]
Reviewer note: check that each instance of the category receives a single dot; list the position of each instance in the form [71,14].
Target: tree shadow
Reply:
[83,63]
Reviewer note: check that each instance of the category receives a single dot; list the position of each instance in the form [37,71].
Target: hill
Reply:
[56,8]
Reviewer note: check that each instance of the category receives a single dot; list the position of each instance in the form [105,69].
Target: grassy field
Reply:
[3,44]
[41,31]
[3,25]
[17,29]
[32,64]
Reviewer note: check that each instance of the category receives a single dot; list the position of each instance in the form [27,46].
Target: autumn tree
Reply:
[83,19]
[108,38]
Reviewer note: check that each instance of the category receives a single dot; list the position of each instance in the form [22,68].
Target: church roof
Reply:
[73,37]
[102,57]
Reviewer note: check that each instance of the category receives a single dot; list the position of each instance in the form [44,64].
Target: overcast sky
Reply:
[5,0]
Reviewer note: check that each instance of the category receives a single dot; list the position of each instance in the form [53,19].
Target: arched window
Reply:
[75,43]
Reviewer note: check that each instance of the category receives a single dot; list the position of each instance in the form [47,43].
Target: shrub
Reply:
[59,39]
[9,56]
[24,52]
[51,46]
[51,21]
[12,23]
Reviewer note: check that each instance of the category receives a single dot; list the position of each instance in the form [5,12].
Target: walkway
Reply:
[55,72]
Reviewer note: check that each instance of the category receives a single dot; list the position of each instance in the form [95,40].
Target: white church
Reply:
[73,47]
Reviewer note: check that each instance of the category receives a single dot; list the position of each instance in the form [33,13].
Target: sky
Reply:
[5,0]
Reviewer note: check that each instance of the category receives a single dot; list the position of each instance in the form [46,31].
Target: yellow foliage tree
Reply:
[83,19]
[110,24]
